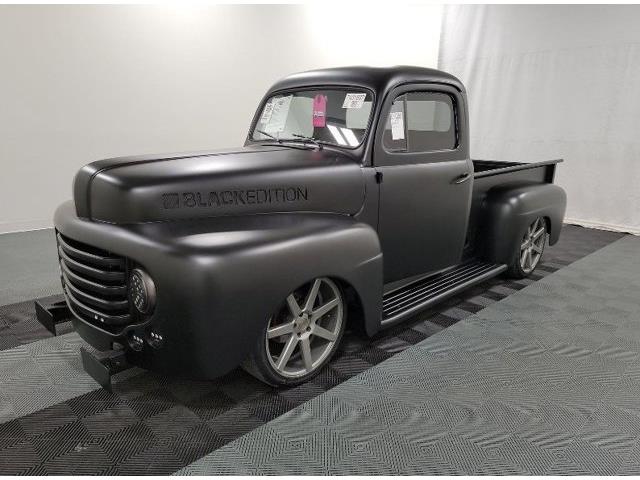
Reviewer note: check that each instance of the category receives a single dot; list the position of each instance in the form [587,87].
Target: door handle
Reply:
[461,178]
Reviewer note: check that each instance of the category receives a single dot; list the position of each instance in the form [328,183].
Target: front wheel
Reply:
[301,336]
[528,251]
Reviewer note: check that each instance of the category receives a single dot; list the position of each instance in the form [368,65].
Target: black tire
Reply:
[533,239]
[321,334]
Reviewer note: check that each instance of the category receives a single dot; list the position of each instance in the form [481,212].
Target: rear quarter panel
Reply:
[504,208]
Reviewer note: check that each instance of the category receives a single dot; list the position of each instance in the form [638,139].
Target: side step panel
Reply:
[405,301]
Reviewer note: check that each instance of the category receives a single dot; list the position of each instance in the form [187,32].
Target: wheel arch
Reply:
[348,252]
[355,308]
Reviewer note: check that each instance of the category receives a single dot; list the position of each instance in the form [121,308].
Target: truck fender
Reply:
[219,279]
[348,251]
[272,256]
[507,210]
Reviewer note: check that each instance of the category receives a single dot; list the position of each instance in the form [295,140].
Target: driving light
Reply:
[142,291]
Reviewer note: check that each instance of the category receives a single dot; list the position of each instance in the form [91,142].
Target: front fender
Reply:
[219,279]
[508,210]
[256,261]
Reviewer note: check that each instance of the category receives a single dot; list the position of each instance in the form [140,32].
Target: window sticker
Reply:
[319,111]
[279,114]
[267,112]
[397,125]
[354,100]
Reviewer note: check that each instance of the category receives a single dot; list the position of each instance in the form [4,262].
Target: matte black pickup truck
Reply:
[354,199]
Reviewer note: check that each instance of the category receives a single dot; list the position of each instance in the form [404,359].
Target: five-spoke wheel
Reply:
[302,335]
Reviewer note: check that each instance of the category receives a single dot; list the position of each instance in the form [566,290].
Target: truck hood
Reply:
[248,180]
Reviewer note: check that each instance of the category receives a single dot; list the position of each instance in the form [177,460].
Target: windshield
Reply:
[334,116]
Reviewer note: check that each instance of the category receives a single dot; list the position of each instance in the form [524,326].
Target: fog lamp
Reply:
[142,291]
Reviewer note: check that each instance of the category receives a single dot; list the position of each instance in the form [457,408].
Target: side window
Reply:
[428,123]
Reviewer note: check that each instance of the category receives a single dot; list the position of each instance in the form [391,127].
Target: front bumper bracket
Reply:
[52,313]
[102,368]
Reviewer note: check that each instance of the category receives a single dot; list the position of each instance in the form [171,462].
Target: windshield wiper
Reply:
[269,135]
[308,139]
[297,135]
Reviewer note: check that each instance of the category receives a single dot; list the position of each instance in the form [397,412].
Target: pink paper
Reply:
[319,110]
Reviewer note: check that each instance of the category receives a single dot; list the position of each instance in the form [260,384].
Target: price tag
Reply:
[319,111]
[397,125]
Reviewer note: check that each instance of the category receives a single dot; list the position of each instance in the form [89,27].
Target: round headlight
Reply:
[142,291]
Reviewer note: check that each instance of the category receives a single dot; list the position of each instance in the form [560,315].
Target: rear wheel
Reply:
[528,251]
[301,336]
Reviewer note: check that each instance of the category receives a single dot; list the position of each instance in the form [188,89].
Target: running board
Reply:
[405,301]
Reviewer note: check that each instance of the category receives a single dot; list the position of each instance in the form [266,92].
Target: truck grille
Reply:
[94,282]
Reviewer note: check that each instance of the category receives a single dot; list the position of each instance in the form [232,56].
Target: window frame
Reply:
[385,156]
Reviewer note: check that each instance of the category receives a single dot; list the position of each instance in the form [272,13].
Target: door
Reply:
[426,178]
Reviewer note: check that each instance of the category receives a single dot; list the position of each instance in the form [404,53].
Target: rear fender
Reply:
[508,210]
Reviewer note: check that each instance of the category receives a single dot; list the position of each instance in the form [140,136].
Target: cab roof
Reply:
[378,79]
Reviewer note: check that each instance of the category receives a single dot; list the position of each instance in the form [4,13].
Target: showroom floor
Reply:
[533,376]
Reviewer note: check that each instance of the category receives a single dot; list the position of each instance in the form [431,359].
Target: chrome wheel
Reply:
[305,331]
[532,245]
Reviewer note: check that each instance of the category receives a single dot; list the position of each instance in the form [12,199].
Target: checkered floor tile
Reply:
[156,425]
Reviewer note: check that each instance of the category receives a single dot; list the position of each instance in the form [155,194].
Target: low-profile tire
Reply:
[301,336]
[529,249]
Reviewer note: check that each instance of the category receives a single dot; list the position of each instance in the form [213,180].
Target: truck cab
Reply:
[354,199]
[413,147]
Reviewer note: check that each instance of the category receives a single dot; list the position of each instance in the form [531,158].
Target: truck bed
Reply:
[490,173]
[487,168]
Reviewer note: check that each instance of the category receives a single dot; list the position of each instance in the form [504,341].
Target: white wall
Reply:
[80,83]
[548,81]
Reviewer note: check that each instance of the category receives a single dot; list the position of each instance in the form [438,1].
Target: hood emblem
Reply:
[221,198]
